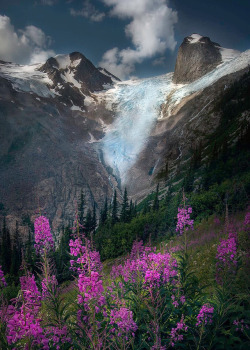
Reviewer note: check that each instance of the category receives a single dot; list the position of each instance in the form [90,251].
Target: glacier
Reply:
[137,106]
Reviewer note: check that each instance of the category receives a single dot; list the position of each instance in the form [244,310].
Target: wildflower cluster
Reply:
[240,325]
[247,218]
[23,322]
[226,257]
[184,222]
[205,315]
[44,241]
[123,320]
[88,266]
[176,334]
[154,269]
[151,301]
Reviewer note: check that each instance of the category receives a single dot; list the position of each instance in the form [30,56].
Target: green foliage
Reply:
[62,256]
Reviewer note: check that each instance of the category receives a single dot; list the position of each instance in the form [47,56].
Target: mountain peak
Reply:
[194,38]
[197,56]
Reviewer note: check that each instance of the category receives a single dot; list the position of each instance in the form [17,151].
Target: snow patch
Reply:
[105,72]
[228,54]
[76,108]
[75,63]
[92,139]
[27,78]
[69,77]
[194,38]
[88,100]
[63,61]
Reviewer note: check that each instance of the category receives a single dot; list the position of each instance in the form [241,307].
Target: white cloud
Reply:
[88,11]
[29,45]
[151,31]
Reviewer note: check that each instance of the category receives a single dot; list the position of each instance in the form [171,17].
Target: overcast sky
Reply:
[128,37]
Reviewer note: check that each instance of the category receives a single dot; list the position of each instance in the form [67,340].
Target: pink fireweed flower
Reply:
[30,293]
[205,315]
[23,321]
[183,219]
[2,278]
[57,336]
[154,269]
[240,325]
[247,218]
[137,250]
[92,290]
[226,257]
[88,265]
[23,325]
[84,259]
[123,319]
[176,334]
[44,241]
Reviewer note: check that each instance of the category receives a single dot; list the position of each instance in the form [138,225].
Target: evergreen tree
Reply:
[114,215]
[81,212]
[125,208]
[6,247]
[146,207]
[16,259]
[29,250]
[88,223]
[156,199]
[104,213]
[131,210]
[93,223]
[63,256]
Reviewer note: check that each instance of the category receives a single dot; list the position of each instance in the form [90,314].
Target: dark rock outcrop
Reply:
[76,78]
[197,56]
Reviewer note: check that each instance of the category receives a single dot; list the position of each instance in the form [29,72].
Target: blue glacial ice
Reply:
[137,105]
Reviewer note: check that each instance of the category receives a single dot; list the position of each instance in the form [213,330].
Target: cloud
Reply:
[88,11]
[28,45]
[151,31]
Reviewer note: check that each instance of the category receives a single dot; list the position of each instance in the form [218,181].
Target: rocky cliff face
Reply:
[48,122]
[197,56]
[74,78]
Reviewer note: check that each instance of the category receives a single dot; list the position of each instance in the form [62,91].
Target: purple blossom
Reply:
[92,290]
[123,319]
[23,321]
[184,222]
[176,334]
[205,315]
[247,218]
[240,325]
[43,237]
[57,336]
[85,260]
[226,257]
[2,278]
